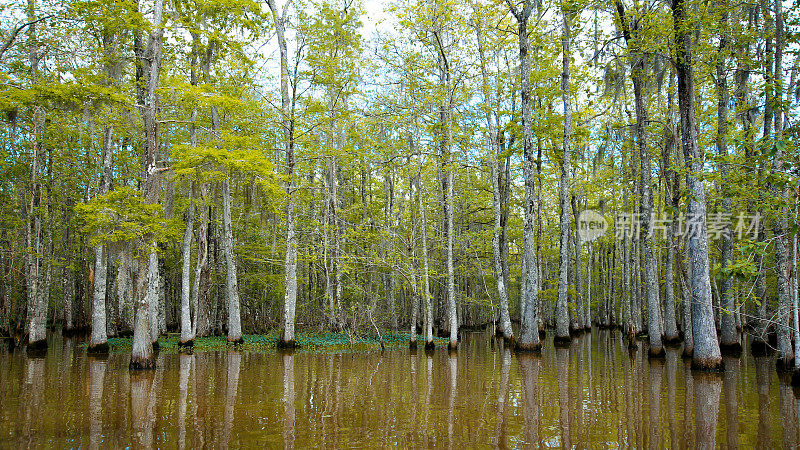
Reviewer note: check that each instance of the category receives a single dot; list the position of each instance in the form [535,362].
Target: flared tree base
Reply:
[784,365]
[236,342]
[562,341]
[672,341]
[733,349]
[290,344]
[97,349]
[429,347]
[139,363]
[707,364]
[760,348]
[37,349]
[796,379]
[452,347]
[656,353]
[186,346]
[521,347]
[412,345]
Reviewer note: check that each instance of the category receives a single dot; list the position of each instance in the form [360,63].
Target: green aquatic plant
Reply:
[311,342]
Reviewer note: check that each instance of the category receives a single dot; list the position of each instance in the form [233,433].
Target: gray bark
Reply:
[489,106]
[231,281]
[187,329]
[148,69]
[287,112]
[562,314]
[638,75]
[780,224]
[706,348]
[729,336]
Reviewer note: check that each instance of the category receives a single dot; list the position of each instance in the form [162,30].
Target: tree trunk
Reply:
[287,112]
[638,76]
[706,348]
[562,313]
[502,285]
[37,309]
[187,329]
[231,281]
[729,336]
[780,225]
[148,68]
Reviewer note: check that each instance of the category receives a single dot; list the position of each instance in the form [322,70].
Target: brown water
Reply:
[590,395]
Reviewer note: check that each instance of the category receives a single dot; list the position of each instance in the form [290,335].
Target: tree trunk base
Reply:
[528,348]
[562,341]
[139,363]
[542,333]
[290,344]
[760,348]
[707,365]
[452,348]
[236,342]
[784,365]
[672,341]
[796,379]
[186,345]
[657,353]
[37,349]
[97,349]
[429,347]
[412,345]
[733,349]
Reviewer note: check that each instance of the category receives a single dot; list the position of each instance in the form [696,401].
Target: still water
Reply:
[594,394]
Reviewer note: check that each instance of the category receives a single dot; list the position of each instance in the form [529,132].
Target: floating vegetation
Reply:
[306,341]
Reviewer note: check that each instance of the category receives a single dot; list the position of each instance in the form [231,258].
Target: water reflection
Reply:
[729,380]
[707,387]
[183,395]
[288,400]
[529,367]
[562,367]
[594,394]
[97,373]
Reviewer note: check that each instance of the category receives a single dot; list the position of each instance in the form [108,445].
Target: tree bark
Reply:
[706,348]
[148,68]
[729,336]
[287,112]
[562,313]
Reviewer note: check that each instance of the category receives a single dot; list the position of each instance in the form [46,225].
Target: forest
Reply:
[233,167]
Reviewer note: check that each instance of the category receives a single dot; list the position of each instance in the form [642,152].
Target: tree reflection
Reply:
[562,368]
[288,399]
[97,372]
[707,387]
[529,367]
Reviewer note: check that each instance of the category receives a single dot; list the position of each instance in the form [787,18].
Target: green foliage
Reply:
[123,216]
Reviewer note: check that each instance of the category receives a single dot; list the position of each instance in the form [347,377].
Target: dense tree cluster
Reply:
[235,166]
